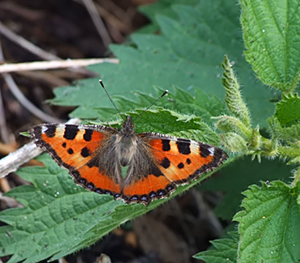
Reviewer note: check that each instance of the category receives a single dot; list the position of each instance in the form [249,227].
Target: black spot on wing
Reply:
[87,135]
[155,171]
[188,161]
[165,163]
[204,150]
[64,145]
[166,145]
[70,132]
[70,151]
[85,152]
[93,163]
[180,165]
[183,140]
[219,156]
[183,147]
[50,132]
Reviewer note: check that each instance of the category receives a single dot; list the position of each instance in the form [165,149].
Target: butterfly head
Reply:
[128,127]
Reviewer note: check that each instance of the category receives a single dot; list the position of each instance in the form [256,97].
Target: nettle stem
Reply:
[289,152]
[268,148]
[239,137]
[296,177]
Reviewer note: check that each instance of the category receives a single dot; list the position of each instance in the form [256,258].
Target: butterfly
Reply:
[156,163]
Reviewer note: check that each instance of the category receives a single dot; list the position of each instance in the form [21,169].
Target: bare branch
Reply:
[44,65]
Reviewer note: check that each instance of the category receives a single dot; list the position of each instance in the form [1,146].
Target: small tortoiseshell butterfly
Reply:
[157,163]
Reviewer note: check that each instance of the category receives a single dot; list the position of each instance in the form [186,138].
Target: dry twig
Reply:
[25,102]
[43,65]
[91,8]
[26,44]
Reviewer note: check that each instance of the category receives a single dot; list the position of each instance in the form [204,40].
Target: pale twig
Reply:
[114,21]
[114,25]
[44,65]
[20,11]
[26,44]
[117,11]
[32,48]
[13,161]
[25,102]
[22,99]
[91,8]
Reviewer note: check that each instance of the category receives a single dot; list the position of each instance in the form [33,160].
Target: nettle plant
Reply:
[261,122]
[268,229]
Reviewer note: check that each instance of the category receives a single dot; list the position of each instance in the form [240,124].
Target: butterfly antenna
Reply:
[165,92]
[101,83]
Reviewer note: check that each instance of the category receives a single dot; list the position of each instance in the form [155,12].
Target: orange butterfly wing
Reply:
[176,161]
[75,148]
[148,188]
[166,161]
[182,160]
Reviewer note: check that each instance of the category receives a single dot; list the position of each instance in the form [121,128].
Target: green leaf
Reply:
[288,110]
[286,133]
[225,252]
[180,101]
[236,178]
[269,226]
[188,53]
[162,7]
[57,215]
[271,36]
[203,134]
[165,121]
